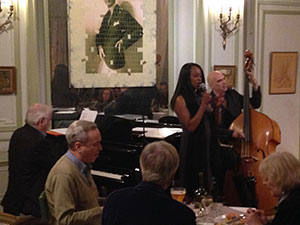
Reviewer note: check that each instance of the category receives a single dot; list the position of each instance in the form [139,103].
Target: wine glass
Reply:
[207,202]
[178,193]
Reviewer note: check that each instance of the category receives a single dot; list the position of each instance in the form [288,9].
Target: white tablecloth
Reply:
[217,210]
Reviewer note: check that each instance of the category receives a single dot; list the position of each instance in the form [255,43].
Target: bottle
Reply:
[200,193]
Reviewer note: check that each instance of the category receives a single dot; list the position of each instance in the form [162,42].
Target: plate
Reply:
[230,218]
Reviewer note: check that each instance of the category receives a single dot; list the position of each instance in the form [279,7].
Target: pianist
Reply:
[70,189]
[148,203]
[30,160]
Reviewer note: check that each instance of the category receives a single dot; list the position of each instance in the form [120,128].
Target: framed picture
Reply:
[283,72]
[7,79]
[229,72]
[112,49]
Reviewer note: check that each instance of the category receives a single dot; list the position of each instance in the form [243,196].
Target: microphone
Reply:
[202,88]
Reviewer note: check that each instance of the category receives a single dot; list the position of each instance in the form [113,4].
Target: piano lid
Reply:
[159,133]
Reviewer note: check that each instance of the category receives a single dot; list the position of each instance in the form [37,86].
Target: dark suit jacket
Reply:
[120,26]
[288,211]
[30,160]
[235,105]
[145,204]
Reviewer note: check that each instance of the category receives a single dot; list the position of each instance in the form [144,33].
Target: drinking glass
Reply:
[178,193]
[207,202]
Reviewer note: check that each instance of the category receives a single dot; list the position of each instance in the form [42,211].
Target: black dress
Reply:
[199,151]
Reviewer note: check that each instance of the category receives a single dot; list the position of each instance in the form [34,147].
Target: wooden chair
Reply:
[7,219]
[44,206]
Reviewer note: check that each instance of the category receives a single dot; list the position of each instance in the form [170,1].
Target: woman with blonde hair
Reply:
[281,175]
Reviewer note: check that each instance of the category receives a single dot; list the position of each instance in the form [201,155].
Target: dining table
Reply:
[217,212]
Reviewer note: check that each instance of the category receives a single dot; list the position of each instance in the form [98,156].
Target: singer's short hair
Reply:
[159,162]
[282,169]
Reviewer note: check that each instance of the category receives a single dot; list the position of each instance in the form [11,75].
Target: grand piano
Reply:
[123,139]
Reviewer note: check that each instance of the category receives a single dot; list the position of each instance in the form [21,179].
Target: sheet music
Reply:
[88,115]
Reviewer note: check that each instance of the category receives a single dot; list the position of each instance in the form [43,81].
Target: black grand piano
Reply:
[123,139]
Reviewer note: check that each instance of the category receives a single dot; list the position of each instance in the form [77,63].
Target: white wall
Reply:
[184,32]
[278,30]
[8,104]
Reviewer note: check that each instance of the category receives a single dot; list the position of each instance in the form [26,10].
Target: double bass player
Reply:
[262,135]
[228,110]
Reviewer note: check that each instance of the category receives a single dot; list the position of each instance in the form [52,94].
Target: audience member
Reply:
[281,175]
[148,203]
[162,100]
[71,192]
[117,92]
[106,98]
[29,160]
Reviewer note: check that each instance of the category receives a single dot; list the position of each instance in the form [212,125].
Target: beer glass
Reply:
[178,193]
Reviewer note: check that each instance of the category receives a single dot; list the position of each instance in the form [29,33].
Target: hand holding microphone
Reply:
[206,98]
[219,99]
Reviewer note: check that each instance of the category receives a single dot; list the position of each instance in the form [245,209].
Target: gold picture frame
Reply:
[283,72]
[229,72]
[7,79]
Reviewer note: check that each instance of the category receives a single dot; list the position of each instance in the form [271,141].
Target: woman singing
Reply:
[198,150]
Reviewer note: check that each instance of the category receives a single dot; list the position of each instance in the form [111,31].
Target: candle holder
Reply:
[228,26]
[8,20]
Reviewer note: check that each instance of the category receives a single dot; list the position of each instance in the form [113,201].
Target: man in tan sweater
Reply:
[70,190]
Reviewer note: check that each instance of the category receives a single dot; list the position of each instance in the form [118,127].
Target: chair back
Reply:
[6,218]
[44,206]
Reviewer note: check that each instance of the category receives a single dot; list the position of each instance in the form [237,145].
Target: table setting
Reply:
[208,212]
[218,214]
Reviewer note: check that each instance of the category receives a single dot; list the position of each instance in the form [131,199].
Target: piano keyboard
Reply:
[107,175]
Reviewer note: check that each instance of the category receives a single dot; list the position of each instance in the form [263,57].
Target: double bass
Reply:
[243,184]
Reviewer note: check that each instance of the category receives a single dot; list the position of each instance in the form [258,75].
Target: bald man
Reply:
[231,105]
[230,101]
[30,159]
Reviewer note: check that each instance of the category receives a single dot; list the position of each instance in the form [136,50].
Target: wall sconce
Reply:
[228,26]
[8,20]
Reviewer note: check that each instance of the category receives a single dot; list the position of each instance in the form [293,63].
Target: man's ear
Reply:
[77,145]
[42,120]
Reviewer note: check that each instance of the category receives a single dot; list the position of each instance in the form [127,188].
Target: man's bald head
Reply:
[216,81]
